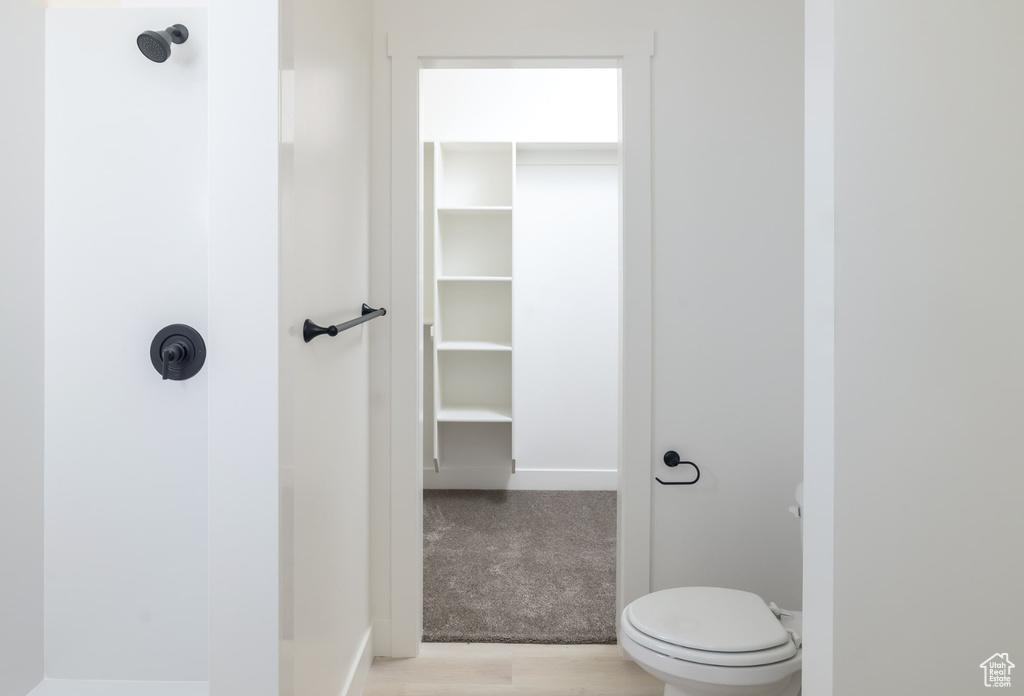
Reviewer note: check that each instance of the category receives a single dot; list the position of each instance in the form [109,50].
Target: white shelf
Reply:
[484,346]
[483,413]
[474,279]
[475,210]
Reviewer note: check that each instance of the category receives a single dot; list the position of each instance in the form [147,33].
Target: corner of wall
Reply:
[819,344]
[360,669]
[22,72]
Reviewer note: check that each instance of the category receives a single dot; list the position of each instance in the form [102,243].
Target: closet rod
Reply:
[311,330]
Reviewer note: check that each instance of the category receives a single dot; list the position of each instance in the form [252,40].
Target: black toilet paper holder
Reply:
[672,459]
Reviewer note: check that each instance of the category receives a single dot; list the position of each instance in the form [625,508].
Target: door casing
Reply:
[401,551]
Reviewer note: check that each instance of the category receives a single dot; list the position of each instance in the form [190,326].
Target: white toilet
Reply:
[713,641]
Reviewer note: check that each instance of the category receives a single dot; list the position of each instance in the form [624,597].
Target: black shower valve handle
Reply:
[167,357]
[178,352]
[173,353]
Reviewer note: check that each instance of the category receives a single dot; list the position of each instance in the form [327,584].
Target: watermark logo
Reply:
[997,670]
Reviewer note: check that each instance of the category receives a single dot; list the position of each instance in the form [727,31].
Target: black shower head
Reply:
[156,45]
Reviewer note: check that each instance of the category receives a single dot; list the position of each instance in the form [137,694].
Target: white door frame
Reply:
[632,50]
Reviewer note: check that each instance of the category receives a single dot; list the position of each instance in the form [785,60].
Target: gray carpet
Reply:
[519,566]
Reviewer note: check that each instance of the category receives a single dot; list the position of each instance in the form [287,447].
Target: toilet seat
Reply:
[710,626]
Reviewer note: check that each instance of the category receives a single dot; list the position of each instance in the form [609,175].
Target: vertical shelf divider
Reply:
[512,309]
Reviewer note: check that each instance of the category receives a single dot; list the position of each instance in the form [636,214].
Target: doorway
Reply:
[521,370]
[398,544]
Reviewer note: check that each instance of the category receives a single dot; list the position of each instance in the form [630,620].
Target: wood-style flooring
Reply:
[487,669]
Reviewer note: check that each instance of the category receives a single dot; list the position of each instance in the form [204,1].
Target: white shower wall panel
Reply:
[125,255]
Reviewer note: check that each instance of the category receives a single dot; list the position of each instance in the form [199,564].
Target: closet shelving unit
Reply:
[473,204]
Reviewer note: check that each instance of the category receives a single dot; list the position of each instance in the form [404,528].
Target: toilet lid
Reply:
[708,618]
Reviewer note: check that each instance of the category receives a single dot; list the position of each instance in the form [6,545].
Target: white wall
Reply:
[325,385]
[126,239]
[548,105]
[728,294]
[21,316]
[929,339]
[566,292]
[728,270]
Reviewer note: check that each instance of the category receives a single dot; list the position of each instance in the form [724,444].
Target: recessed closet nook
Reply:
[520,249]
[521,334]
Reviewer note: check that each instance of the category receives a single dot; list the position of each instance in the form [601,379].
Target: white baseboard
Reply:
[357,674]
[78,687]
[522,480]
[382,638]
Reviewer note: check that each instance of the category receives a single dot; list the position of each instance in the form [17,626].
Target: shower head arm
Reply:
[178,33]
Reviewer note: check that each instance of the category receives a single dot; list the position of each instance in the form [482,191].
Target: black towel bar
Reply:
[311,330]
